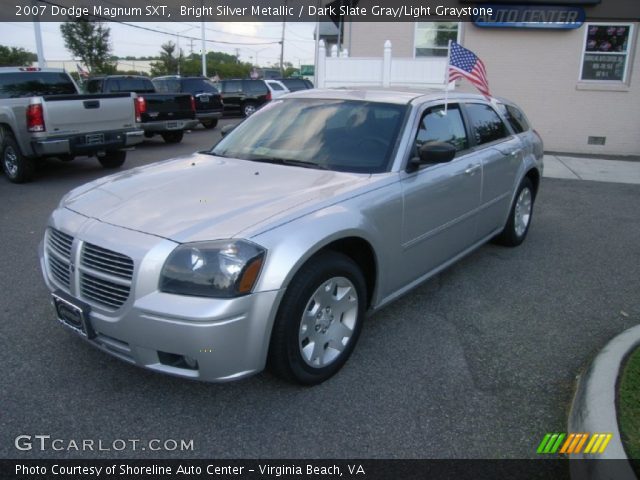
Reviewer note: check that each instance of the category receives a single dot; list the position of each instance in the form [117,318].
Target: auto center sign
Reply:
[531,16]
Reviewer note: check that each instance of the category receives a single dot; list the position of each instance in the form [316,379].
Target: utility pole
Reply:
[204,49]
[42,63]
[284,22]
[191,46]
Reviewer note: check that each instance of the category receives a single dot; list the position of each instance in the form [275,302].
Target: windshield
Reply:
[351,136]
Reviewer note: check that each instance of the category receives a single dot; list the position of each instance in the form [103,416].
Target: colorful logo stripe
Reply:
[573,443]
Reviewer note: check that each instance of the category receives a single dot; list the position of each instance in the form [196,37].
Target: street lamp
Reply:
[256,52]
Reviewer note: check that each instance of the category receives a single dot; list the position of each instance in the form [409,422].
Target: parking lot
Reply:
[479,362]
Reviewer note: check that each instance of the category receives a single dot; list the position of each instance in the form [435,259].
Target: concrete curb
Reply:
[594,410]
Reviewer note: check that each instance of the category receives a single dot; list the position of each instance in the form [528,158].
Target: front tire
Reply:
[113,159]
[17,167]
[319,320]
[520,215]
[173,137]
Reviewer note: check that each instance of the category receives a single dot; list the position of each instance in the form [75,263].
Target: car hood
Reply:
[202,197]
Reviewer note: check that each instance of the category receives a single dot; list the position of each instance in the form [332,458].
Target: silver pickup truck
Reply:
[43,115]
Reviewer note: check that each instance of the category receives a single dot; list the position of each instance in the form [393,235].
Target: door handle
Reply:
[471,169]
[515,152]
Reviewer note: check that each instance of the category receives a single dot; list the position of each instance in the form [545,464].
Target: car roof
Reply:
[383,95]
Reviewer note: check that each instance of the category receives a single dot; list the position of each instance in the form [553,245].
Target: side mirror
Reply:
[226,129]
[431,153]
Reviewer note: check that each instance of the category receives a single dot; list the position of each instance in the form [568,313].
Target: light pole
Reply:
[179,52]
[256,52]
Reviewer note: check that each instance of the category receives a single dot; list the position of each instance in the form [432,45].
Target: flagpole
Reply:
[446,78]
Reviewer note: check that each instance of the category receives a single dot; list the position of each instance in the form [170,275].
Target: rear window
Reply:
[486,124]
[169,85]
[130,84]
[28,84]
[294,84]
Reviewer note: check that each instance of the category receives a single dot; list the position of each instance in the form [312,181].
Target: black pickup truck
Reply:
[167,114]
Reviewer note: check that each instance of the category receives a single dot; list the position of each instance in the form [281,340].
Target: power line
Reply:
[139,27]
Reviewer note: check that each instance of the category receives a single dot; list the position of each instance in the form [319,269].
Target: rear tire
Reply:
[17,167]
[113,159]
[173,137]
[319,320]
[520,215]
[249,109]
[209,124]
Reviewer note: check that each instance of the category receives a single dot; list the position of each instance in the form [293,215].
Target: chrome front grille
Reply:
[106,261]
[59,252]
[103,276]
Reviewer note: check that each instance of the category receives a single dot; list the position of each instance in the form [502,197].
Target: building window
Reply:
[606,52]
[432,38]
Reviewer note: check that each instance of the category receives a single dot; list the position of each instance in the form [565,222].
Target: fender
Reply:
[287,252]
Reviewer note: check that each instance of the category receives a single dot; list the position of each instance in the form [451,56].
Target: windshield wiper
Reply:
[289,161]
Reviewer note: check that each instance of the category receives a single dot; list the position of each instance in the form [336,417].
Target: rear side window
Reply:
[231,86]
[516,119]
[485,123]
[256,86]
[198,85]
[28,84]
[275,86]
[435,126]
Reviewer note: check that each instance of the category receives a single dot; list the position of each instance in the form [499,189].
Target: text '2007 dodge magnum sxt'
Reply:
[270,248]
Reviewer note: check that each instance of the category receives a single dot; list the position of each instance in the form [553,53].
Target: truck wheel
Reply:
[319,320]
[173,137]
[16,166]
[113,159]
[209,124]
[249,109]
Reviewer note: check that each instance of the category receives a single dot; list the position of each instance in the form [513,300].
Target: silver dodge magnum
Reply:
[271,248]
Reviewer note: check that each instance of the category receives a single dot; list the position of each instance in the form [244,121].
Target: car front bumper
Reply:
[207,339]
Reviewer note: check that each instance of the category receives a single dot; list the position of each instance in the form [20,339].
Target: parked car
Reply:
[43,115]
[166,114]
[244,96]
[208,99]
[271,246]
[296,84]
[276,88]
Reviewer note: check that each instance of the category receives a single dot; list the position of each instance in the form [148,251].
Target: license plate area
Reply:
[94,139]
[204,98]
[172,125]
[73,314]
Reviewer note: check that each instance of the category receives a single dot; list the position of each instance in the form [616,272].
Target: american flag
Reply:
[83,73]
[465,63]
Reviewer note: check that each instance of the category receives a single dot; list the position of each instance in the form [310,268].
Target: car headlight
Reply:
[222,269]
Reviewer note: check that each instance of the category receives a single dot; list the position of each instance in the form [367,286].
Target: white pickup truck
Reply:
[42,114]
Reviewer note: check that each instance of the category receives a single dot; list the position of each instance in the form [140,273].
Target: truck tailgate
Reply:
[167,106]
[72,114]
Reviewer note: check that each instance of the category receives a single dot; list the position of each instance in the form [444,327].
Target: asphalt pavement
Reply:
[479,362]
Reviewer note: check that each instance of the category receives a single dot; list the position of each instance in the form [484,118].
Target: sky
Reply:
[250,39]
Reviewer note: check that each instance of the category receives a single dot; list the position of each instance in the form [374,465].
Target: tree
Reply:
[16,57]
[167,64]
[89,41]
